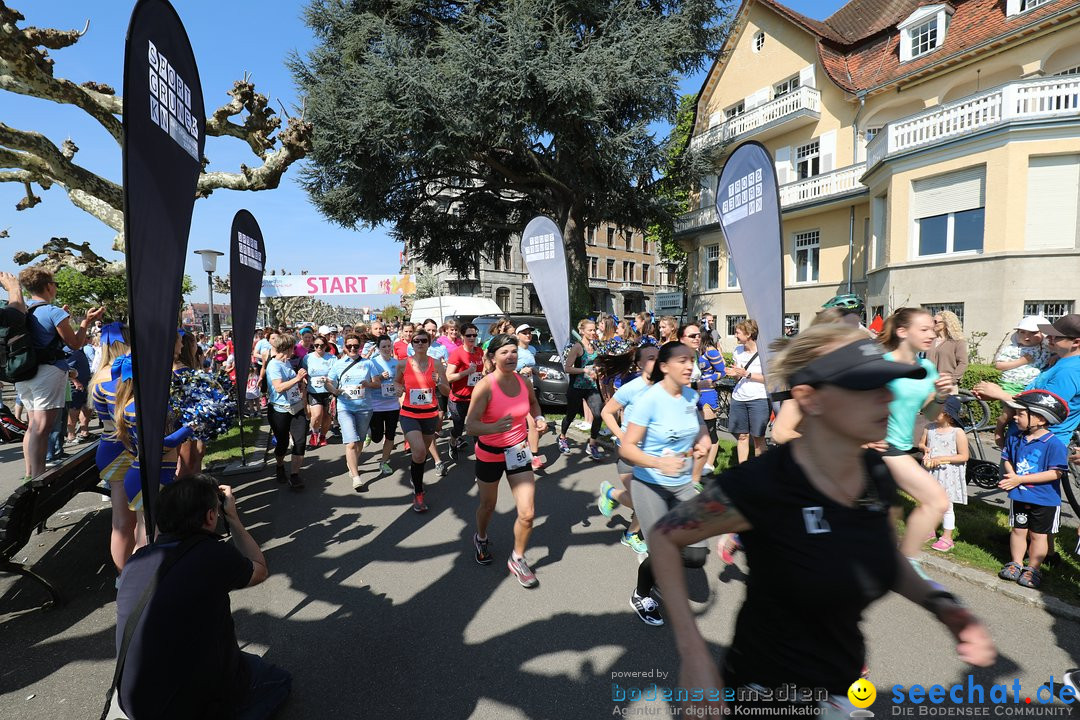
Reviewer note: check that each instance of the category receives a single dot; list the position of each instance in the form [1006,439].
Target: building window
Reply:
[951,233]
[732,321]
[594,267]
[502,299]
[807,249]
[628,237]
[534,304]
[735,110]
[1049,309]
[788,86]
[645,273]
[923,38]
[1070,71]
[645,244]
[871,132]
[590,236]
[949,212]
[808,160]
[956,309]
[712,267]
[1031,4]
[502,259]
[877,311]
[611,237]
[732,276]
[610,269]
[759,40]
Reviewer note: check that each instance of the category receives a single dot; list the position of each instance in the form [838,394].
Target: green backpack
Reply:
[18,359]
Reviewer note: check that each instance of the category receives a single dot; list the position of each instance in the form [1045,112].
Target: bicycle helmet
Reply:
[848,301]
[1043,403]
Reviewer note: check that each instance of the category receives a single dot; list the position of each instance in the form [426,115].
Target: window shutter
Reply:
[806,76]
[953,192]
[708,191]
[1012,7]
[716,118]
[783,165]
[827,149]
[1053,191]
[761,97]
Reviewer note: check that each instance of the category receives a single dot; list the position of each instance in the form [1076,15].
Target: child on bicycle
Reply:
[945,455]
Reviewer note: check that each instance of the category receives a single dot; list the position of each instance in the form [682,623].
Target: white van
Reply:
[445,306]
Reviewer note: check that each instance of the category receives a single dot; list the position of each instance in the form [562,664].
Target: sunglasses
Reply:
[419,341]
[352,346]
[692,336]
[470,335]
[319,345]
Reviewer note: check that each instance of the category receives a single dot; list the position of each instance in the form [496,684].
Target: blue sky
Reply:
[226,45]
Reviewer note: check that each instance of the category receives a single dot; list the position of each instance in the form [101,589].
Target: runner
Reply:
[418,378]
[464,370]
[287,410]
[526,367]
[634,369]
[583,391]
[349,380]
[500,403]
[404,341]
[664,435]
[814,515]
[385,404]
[318,363]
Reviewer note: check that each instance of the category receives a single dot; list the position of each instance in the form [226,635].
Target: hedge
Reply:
[977,373]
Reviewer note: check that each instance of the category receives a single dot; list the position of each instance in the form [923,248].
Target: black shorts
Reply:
[323,399]
[1042,519]
[893,451]
[425,426]
[492,472]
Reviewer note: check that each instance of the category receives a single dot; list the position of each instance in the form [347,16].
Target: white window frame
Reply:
[732,321]
[1040,307]
[950,237]
[1068,71]
[808,242]
[926,20]
[735,110]
[594,266]
[786,86]
[732,275]
[712,261]
[870,133]
[808,153]
[956,308]
[923,38]
[759,40]
[1026,5]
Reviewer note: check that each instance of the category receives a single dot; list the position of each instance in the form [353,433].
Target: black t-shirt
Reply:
[815,565]
[183,661]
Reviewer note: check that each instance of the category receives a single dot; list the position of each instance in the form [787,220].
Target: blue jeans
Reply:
[270,685]
[55,447]
[354,424]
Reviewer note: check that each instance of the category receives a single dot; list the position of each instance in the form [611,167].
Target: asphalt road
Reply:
[379,612]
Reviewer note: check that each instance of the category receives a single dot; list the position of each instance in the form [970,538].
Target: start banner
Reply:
[298,285]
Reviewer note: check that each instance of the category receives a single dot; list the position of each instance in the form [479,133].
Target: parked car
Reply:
[461,308]
[551,380]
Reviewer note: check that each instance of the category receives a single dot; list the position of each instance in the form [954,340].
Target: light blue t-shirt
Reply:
[384,397]
[671,427]
[354,396]
[909,396]
[289,401]
[318,368]
[627,394]
[263,346]
[1063,379]
[42,327]
[437,351]
[526,358]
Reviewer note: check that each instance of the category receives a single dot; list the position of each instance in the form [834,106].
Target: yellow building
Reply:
[927,154]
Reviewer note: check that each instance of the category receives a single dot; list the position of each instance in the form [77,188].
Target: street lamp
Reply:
[209,264]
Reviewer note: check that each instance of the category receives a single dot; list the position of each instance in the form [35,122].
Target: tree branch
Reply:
[60,252]
[39,155]
[260,123]
[295,144]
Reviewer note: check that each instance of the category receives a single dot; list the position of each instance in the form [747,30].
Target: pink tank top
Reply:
[499,405]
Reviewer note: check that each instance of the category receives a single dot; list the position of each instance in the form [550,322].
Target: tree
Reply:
[391,313]
[458,122]
[29,158]
[663,234]
[80,291]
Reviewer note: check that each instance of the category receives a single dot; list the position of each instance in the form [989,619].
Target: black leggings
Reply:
[576,400]
[458,410]
[384,424]
[284,425]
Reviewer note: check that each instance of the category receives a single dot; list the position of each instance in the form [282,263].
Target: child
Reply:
[1034,462]
[945,455]
[1020,360]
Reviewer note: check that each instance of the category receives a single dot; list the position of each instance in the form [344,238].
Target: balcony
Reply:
[1018,102]
[699,219]
[631,286]
[785,113]
[828,186]
[595,282]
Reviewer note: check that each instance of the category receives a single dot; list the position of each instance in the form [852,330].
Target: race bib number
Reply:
[518,456]
[388,389]
[420,396]
[354,392]
[293,395]
[318,384]
[475,378]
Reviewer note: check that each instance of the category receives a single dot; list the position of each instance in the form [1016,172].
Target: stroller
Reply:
[12,429]
[975,416]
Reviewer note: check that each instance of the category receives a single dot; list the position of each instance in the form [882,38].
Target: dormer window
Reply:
[923,31]
[1015,7]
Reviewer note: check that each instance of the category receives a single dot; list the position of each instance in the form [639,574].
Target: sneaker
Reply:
[564,446]
[281,476]
[418,503]
[483,553]
[357,483]
[385,468]
[604,432]
[708,470]
[594,452]
[606,504]
[296,482]
[635,542]
[726,548]
[323,441]
[453,450]
[537,462]
[441,469]
[521,570]
[943,544]
[647,609]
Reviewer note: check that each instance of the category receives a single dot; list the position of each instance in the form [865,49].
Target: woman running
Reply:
[633,369]
[500,404]
[814,517]
[385,404]
[318,363]
[350,379]
[664,435]
[583,391]
[463,372]
[418,378]
[287,410]
[907,332]
[711,363]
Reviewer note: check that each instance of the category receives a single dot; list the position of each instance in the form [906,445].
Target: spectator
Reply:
[44,396]
[402,345]
[1024,356]
[77,407]
[170,671]
[749,414]
[949,353]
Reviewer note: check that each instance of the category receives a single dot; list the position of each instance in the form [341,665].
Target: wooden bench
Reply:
[33,503]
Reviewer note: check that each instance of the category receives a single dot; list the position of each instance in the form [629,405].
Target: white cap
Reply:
[324,329]
[1031,323]
[523,328]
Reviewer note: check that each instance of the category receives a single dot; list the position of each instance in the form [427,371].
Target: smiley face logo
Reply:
[862,693]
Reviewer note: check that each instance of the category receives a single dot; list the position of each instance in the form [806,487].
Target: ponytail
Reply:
[902,318]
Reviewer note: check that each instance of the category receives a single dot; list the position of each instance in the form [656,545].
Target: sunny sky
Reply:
[229,39]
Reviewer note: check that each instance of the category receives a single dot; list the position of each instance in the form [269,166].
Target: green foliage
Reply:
[457,123]
[80,291]
[391,313]
[977,373]
[663,235]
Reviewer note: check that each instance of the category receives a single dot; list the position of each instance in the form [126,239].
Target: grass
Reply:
[982,542]
[227,447]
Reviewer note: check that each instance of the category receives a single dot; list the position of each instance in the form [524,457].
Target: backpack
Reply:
[18,359]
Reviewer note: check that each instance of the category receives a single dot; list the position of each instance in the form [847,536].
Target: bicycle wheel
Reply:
[974,412]
[723,408]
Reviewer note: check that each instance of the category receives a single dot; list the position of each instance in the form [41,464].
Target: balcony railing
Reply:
[1036,99]
[822,187]
[631,285]
[696,219]
[803,102]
